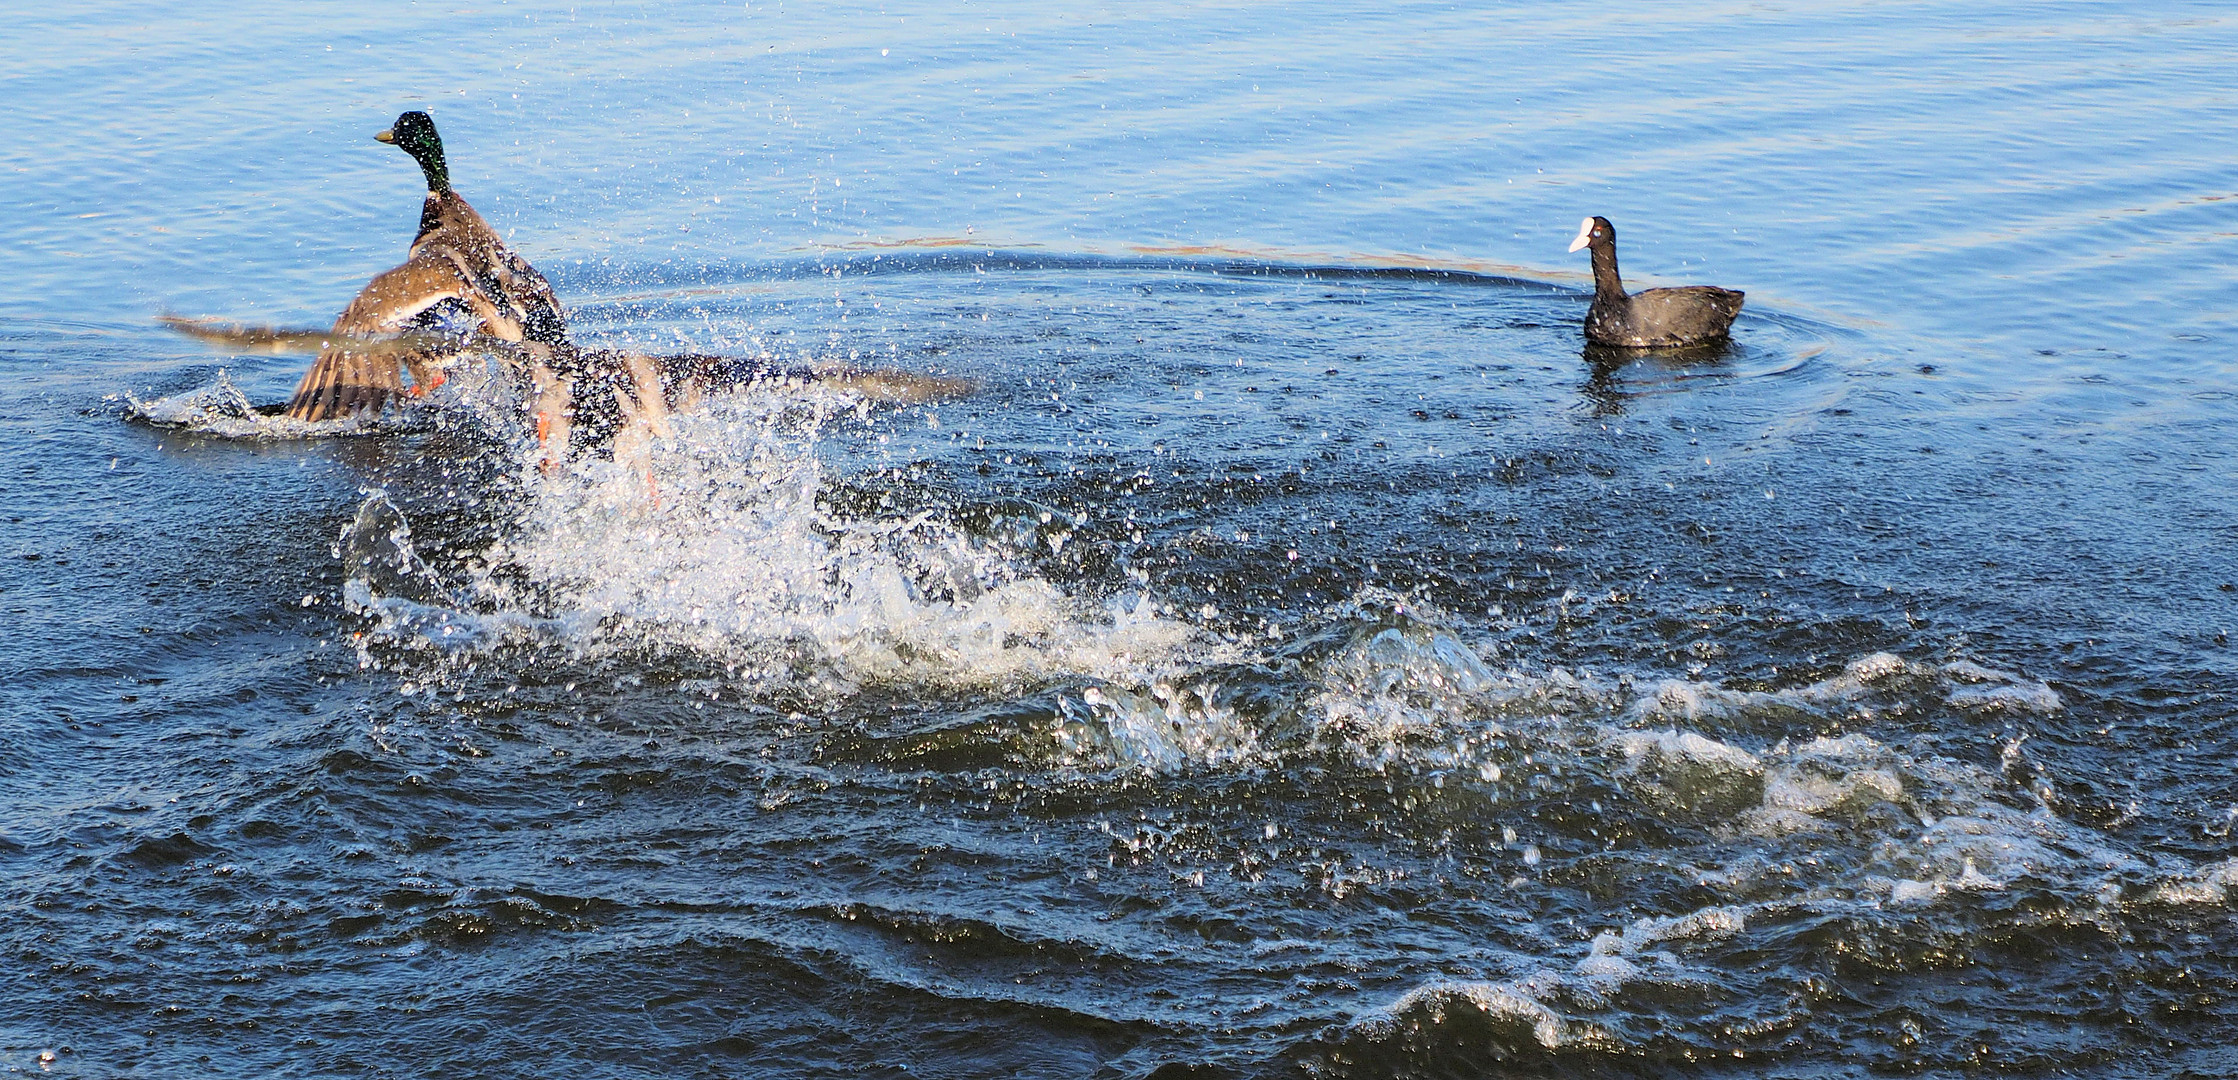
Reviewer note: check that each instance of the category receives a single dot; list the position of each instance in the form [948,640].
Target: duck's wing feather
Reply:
[276,340]
[448,223]
[352,374]
[542,317]
[245,339]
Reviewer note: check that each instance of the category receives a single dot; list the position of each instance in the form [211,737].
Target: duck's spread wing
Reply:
[353,374]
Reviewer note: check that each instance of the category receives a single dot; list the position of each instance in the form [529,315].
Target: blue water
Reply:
[1293,655]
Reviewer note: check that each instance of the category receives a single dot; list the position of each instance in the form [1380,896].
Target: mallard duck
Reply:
[1688,315]
[460,290]
[459,276]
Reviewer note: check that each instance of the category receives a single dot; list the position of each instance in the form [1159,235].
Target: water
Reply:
[1293,657]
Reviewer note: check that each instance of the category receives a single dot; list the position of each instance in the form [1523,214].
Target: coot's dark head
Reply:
[414,133]
[1594,232]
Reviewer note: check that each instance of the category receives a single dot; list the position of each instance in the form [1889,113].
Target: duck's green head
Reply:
[415,134]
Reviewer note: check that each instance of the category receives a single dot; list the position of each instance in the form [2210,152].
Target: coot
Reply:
[1689,315]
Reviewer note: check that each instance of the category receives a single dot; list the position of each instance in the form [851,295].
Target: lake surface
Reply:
[1294,656]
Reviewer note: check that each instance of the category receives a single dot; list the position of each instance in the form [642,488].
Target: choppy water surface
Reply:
[1294,657]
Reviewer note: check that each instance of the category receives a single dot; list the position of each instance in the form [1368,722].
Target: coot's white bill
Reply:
[1584,235]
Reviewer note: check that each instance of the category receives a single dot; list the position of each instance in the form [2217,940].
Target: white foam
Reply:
[1687,747]
[1826,776]
[1609,970]
[2189,892]
[1962,684]
[1498,1001]
[1980,689]
[2209,884]
[1707,924]
[1614,960]
[1688,774]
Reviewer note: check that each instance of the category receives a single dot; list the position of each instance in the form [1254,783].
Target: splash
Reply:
[386,579]
[220,409]
[1809,829]
[1167,727]
[717,539]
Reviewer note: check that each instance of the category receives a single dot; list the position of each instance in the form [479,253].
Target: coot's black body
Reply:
[1689,315]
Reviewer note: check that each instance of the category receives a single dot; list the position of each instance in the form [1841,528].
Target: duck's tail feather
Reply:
[891,386]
